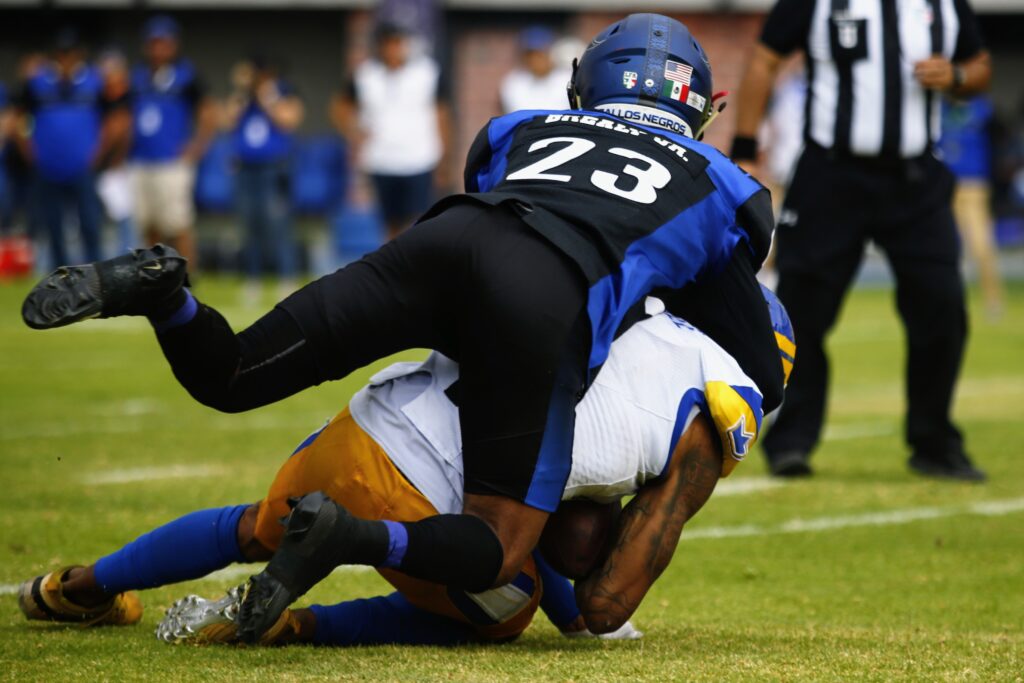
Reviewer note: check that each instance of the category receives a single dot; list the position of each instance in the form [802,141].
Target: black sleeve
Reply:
[479,156]
[968,40]
[757,219]
[729,308]
[787,25]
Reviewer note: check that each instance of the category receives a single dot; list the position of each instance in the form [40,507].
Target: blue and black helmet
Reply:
[642,63]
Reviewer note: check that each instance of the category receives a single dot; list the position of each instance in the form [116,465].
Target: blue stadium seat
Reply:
[215,182]
[319,174]
[356,231]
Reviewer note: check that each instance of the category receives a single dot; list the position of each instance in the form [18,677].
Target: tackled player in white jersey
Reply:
[669,413]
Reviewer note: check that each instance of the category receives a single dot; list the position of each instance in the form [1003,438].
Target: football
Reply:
[579,535]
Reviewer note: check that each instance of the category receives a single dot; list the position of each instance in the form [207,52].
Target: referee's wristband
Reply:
[744,148]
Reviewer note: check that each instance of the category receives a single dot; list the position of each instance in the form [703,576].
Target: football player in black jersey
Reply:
[569,221]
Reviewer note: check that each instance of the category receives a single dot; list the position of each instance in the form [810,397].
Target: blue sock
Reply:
[559,598]
[187,548]
[386,620]
[182,315]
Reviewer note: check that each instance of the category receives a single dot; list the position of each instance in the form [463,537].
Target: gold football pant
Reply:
[344,462]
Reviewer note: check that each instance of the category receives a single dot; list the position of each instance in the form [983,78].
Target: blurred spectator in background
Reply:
[781,136]
[6,133]
[63,108]
[17,170]
[15,249]
[114,183]
[174,124]
[782,133]
[264,112]
[538,83]
[425,15]
[967,149]
[394,114]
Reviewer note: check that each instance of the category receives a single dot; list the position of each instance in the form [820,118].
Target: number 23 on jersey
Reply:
[650,175]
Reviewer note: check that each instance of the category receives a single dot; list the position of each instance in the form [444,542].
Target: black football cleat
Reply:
[141,282]
[956,466]
[790,465]
[319,536]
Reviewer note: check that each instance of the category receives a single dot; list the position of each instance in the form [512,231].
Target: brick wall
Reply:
[482,55]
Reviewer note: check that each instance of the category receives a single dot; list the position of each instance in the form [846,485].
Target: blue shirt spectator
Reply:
[4,102]
[174,123]
[965,143]
[4,132]
[67,115]
[5,194]
[165,101]
[258,138]
[265,113]
[64,104]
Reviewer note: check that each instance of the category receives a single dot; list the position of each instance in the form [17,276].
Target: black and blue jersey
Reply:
[638,209]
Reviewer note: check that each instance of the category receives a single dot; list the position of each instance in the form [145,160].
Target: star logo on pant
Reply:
[740,437]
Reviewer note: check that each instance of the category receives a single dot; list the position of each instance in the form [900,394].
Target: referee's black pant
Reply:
[834,206]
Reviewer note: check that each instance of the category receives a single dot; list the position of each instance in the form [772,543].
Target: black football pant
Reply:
[480,286]
[473,282]
[834,206]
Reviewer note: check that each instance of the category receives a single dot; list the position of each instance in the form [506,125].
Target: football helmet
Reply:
[649,69]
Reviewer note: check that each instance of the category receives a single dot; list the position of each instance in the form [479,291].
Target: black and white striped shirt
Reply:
[863,98]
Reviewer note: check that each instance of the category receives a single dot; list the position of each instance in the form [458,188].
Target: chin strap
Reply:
[713,112]
[570,87]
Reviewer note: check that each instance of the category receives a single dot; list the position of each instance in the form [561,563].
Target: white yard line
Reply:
[739,487]
[137,474]
[988,508]
[244,571]
[728,487]
[226,575]
[216,423]
[858,430]
[58,429]
[798,525]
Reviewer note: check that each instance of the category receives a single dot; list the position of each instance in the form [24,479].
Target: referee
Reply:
[876,72]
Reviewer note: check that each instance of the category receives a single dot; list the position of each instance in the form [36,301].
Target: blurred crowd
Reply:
[84,140]
[99,154]
[91,140]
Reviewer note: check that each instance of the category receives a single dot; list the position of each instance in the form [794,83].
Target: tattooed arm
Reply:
[649,530]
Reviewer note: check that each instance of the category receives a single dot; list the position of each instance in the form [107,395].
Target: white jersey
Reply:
[520,89]
[658,377]
[398,111]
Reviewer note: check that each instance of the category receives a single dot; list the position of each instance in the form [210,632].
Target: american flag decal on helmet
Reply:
[678,72]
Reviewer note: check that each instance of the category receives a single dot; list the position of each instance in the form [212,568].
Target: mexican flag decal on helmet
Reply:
[677,80]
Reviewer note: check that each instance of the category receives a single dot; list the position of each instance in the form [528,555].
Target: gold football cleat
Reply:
[201,621]
[42,599]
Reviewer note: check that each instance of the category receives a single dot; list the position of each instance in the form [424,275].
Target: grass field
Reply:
[864,572]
